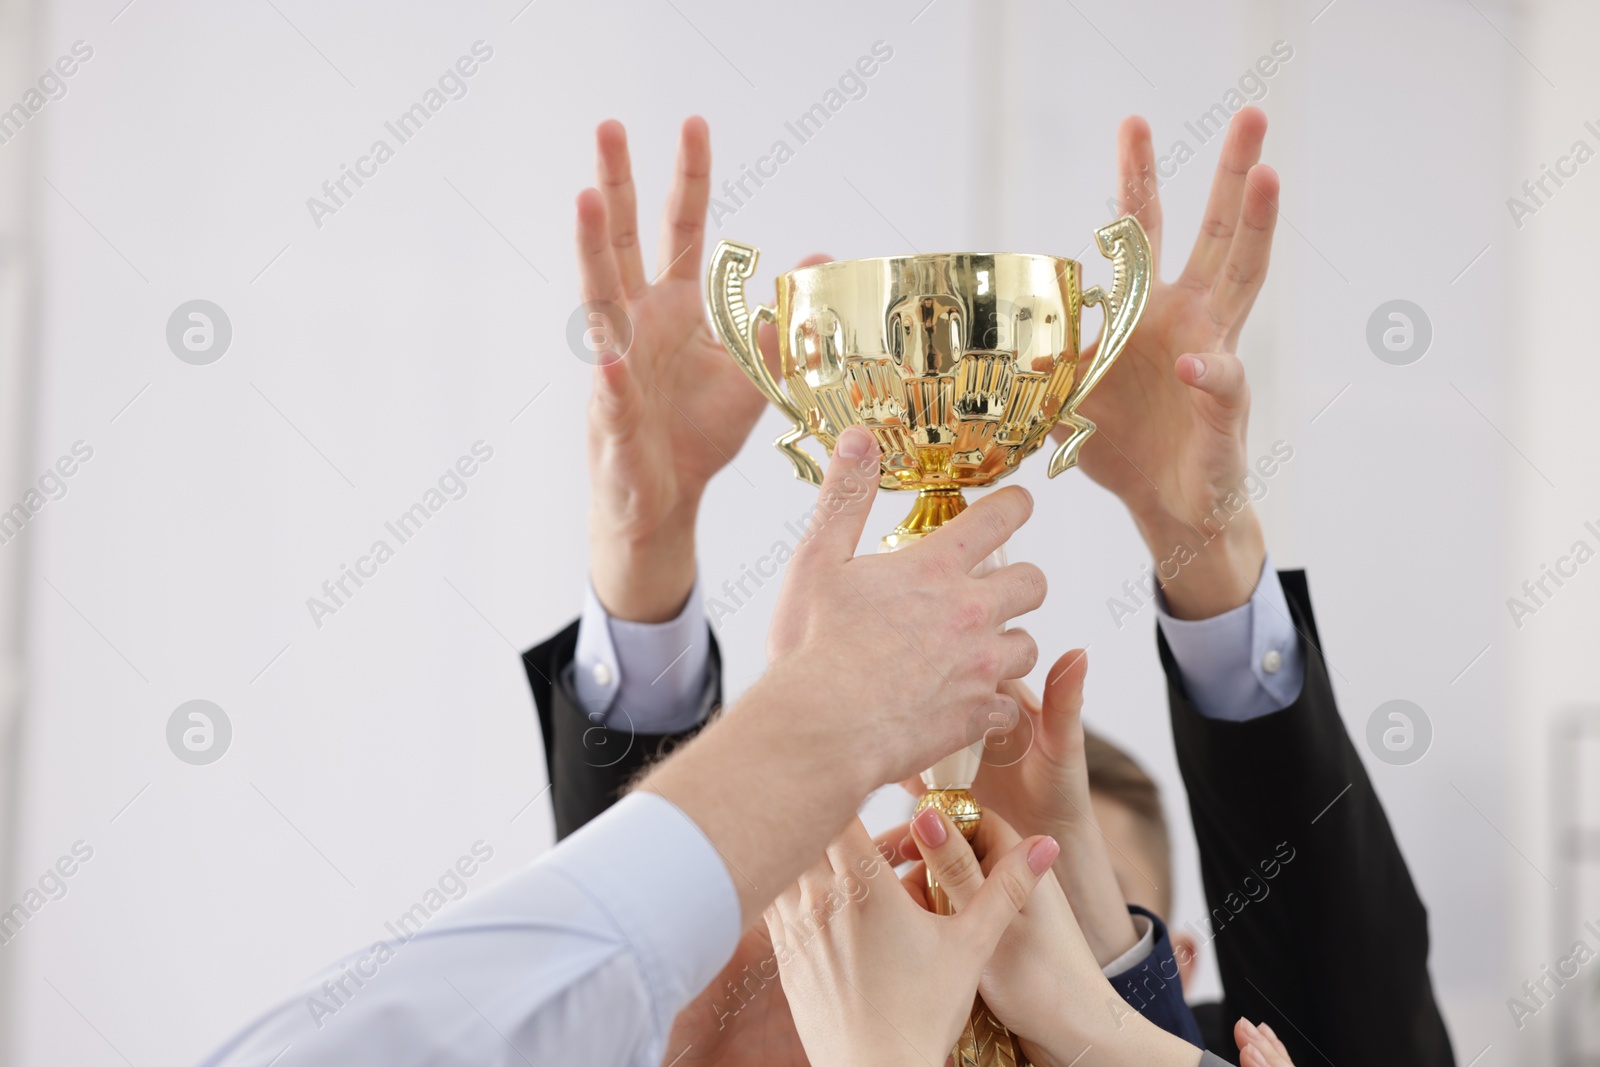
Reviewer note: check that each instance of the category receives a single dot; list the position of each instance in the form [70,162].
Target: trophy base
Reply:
[984,1040]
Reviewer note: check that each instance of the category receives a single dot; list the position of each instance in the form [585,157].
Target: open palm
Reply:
[1170,412]
[674,408]
[670,407]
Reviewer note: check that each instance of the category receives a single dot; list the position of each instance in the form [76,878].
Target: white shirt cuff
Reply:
[648,678]
[1138,953]
[1244,663]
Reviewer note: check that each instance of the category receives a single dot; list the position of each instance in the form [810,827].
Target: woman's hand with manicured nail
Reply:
[871,975]
[1042,981]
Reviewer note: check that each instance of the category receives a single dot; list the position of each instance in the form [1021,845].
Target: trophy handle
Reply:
[735,326]
[1124,243]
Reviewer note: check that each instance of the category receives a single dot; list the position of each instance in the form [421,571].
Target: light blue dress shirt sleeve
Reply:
[1244,663]
[583,957]
[650,678]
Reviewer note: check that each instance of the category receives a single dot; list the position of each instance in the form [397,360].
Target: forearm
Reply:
[642,575]
[1086,875]
[1208,567]
[770,785]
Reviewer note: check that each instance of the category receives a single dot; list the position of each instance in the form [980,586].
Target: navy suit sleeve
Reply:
[1151,987]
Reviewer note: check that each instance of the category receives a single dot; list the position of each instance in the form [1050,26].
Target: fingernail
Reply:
[908,848]
[1198,365]
[929,827]
[854,443]
[1043,854]
[1265,1029]
[1249,1027]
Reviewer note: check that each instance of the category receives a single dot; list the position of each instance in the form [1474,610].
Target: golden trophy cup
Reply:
[960,364]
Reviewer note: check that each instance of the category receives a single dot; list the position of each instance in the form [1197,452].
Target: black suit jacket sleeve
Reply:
[1316,924]
[591,766]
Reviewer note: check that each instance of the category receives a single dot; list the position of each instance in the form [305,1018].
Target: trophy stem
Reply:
[933,508]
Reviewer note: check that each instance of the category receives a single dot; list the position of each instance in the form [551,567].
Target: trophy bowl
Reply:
[960,364]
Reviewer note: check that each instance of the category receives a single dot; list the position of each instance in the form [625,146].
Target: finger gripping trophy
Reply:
[960,364]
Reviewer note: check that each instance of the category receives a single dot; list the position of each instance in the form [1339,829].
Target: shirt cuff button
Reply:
[1271,662]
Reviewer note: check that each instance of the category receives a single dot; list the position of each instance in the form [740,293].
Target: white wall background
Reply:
[370,353]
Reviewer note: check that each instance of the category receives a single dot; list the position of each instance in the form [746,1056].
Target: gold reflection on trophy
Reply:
[960,364]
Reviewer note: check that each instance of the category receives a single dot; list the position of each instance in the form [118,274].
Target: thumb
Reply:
[614,407]
[1005,891]
[1220,376]
[1063,702]
[845,499]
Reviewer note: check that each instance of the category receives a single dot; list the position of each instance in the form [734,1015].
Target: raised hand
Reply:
[674,409]
[1173,410]
[1038,779]
[911,633]
[881,664]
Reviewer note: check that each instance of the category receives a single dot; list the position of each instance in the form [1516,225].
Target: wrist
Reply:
[1207,567]
[1087,878]
[643,575]
[769,784]
[825,742]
